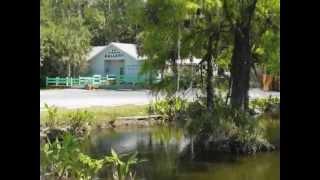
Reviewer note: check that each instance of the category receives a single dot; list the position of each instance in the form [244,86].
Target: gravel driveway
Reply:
[78,98]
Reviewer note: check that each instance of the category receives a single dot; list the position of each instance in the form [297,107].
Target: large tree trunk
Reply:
[240,69]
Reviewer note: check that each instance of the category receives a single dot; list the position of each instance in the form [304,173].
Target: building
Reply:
[116,59]
[121,60]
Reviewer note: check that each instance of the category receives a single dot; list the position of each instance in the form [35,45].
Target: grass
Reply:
[101,114]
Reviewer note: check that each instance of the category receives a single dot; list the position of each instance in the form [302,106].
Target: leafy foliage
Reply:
[121,168]
[64,159]
[263,104]
[52,115]
[169,107]
[226,123]
[79,120]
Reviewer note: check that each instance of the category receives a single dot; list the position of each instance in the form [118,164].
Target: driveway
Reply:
[79,98]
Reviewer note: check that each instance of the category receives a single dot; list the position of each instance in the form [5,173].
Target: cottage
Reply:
[116,59]
[121,60]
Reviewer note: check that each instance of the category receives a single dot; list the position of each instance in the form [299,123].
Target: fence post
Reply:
[47,81]
[57,81]
[71,84]
[67,81]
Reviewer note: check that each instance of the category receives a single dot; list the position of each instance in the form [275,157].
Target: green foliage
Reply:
[76,119]
[112,21]
[122,168]
[89,166]
[52,117]
[63,159]
[271,52]
[262,104]
[64,38]
[169,107]
[79,120]
[94,115]
[225,123]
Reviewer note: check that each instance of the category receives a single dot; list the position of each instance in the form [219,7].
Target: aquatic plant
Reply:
[63,159]
[122,169]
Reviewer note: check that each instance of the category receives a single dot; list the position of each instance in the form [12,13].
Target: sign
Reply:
[113,54]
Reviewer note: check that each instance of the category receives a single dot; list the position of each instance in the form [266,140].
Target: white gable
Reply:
[130,49]
[115,50]
[113,53]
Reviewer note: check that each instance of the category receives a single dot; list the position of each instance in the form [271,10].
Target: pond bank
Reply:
[163,148]
[132,122]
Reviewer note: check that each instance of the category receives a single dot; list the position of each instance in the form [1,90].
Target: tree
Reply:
[162,32]
[64,38]
[211,23]
[110,21]
[240,15]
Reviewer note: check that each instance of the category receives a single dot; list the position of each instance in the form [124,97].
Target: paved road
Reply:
[78,98]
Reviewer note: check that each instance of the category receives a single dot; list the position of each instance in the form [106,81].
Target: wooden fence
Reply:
[95,80]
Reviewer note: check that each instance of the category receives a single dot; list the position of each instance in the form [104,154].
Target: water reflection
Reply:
[162,147]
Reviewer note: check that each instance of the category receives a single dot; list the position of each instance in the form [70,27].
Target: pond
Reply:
[163,148]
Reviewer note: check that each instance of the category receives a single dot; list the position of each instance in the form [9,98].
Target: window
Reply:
[121,71]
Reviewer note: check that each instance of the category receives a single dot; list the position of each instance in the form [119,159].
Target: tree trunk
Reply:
[209,76]
[69,69]
[174,66]
[240,69]
[267,82]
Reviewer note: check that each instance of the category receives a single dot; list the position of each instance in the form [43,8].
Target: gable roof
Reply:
[95,51]
[129,49]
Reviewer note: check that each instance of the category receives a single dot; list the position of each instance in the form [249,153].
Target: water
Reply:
[163,148]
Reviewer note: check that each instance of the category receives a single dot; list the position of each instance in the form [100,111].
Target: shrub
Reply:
[172,108]
[79,120]
[226,124]
[263,104]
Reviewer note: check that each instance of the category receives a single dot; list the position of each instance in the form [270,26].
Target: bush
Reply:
[79,121]
[226,125]
[171,108]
